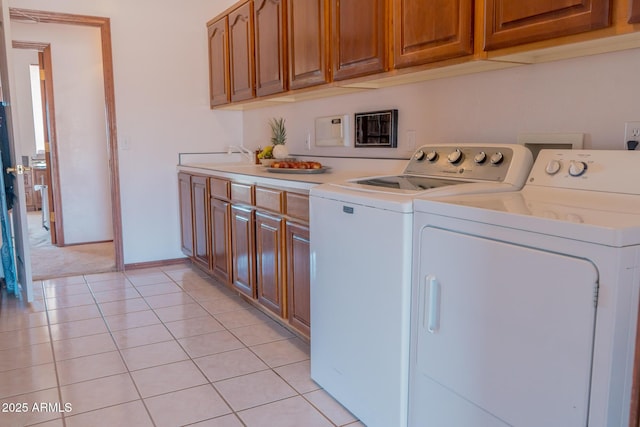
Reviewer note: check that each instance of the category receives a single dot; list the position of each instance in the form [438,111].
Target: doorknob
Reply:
[19,169]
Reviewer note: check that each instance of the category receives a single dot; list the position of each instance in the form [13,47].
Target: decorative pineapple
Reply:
[278,138]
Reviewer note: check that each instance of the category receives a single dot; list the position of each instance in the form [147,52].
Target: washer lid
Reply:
[405,182]
[602,218]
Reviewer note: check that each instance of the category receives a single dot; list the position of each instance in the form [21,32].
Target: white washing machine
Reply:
[361,244]
[524,304]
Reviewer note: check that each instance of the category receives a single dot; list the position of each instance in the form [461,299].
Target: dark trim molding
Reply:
[104,24]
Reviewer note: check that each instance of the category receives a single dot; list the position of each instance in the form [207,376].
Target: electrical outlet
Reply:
[631,133]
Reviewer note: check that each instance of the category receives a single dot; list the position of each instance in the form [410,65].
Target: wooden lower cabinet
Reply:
[298,277]
[252,238]
[243,249]
[220,228]
[200,201]
[186,219]
[270,262]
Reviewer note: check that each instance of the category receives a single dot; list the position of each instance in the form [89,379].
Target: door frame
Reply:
[104,25]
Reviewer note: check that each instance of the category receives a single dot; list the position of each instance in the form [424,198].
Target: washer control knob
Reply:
[480,158]
[455,156]
[553,167]
[577,168]
[419,155]
[496,158]
[432,156]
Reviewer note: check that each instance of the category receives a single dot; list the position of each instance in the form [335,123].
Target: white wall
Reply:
[162,108]
[23,111]
[593,95]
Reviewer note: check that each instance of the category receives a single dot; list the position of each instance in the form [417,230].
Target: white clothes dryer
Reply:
[525,304]
[361,243]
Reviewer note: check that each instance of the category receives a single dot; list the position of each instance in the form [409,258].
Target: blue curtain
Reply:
[6,202]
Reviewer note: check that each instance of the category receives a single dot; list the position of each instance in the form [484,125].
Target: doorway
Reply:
[67,252]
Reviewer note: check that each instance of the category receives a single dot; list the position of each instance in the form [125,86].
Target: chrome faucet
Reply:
[242,150]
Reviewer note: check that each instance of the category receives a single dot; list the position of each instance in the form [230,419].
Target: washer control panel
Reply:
[477,162]
[613,171]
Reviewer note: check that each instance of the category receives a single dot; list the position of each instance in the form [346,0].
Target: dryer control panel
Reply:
[611,171]
[469,162]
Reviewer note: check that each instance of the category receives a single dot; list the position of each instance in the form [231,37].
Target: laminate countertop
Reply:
[337,170]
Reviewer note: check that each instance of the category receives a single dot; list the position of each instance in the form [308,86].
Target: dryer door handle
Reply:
[432,299]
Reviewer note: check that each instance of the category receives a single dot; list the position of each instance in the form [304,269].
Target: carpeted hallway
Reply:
[48,261]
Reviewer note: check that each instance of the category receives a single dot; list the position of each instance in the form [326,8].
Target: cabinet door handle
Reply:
[433,315]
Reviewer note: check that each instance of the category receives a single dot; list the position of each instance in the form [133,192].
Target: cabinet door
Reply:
[200,200]
[241,53]
[219,62]
[269,28]
[634,14]
[359,33]
[298,277]
[220,225]
[510,23]
[308,40]
[243,249]
[429,31]
[186,220]
[270,262]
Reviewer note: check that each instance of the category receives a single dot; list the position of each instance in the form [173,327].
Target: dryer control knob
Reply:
[577,168]
[432,156]
[455,156]
[553,167]
[419,156]
[480,158]
[496,158]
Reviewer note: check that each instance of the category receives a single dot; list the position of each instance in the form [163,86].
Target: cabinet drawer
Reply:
[220,188]
[242,193]
[298,206]
[270,199]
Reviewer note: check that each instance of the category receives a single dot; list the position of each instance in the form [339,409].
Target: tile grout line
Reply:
[245,346]
[53,353]
[199,301]
[119,354]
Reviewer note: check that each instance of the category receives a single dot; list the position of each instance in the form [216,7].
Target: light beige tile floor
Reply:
[163,346]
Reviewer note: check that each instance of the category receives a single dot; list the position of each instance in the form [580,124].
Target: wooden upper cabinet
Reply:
[430,31]
[241,53]
[269,27]
[634,13]
[510,23]
[308,42]
[219,62]
[359,37]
